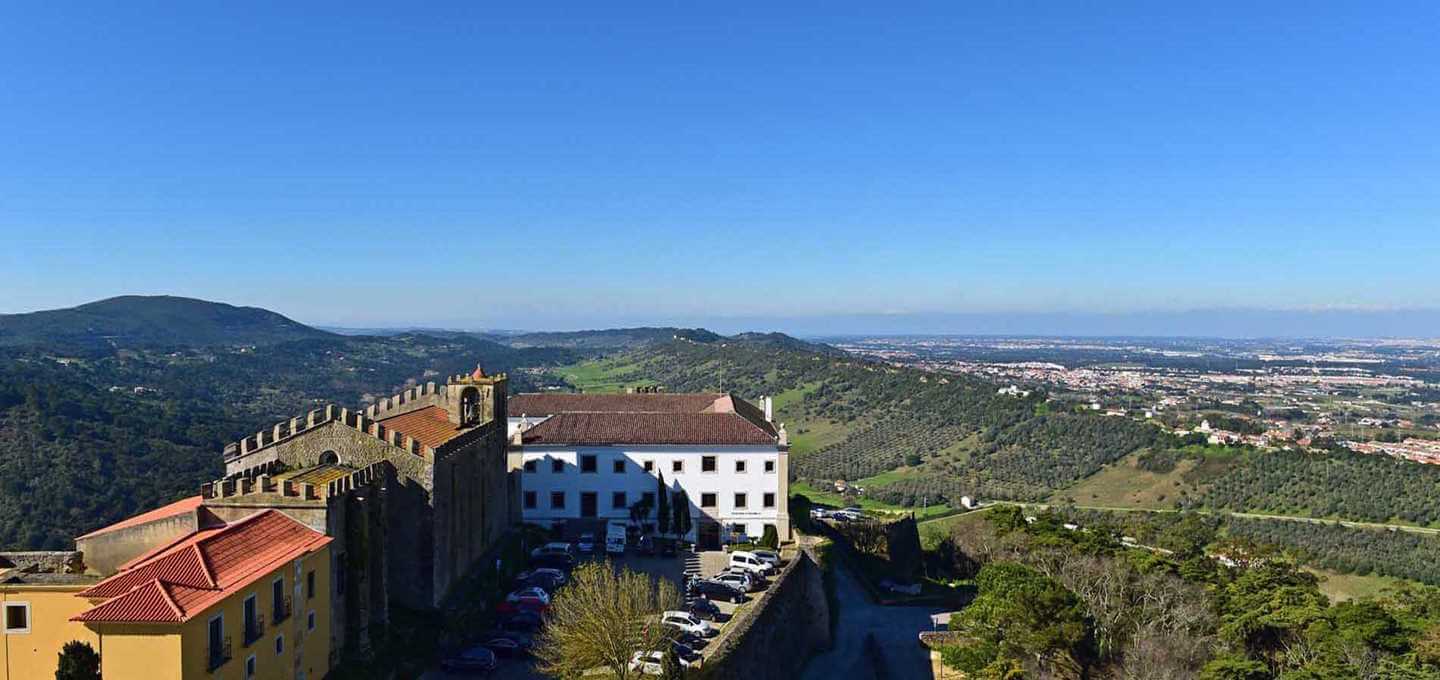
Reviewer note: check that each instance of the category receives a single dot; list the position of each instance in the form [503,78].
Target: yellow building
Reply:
[35,613]
[241,601]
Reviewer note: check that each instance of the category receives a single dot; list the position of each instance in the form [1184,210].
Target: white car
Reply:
[688,623]
[552,549]
[529,594]
[653,663]
[748,561]
[586,544]
[769,556]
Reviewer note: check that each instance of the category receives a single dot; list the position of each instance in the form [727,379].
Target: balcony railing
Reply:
[282,609]
[254,629]
[217,655]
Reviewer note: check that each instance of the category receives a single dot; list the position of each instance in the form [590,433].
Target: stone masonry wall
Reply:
[792,622]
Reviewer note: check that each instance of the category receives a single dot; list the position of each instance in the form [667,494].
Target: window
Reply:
[649,465]
[329,458]
[649,498]
[587,463]
[310,620]
[769,500]
[251,617]
[617,500]
[677,466]
[310,584]
[279,608]
[707,463]
[17,617]
[530,500]
[219,650]
[739,466]
[740,500]
[250,667]
[557,500]
[770,466]
[557,466]
[707,500]
[619,466]
[279,644]
[531,465]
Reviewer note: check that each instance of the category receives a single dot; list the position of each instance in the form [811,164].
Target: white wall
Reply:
[725,482]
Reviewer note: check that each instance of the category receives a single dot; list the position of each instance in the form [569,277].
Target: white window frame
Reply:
[252,667]
[741,467]
[769,467]
[714,459]
[5,620]
[741,500]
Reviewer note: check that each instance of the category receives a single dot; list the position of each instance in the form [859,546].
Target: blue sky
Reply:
[550,165]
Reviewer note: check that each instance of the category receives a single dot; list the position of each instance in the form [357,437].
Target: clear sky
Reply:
[552,165]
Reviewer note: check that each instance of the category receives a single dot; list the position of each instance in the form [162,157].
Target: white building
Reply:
[595,455]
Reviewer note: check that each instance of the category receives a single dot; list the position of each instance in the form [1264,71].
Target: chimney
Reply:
[769,409]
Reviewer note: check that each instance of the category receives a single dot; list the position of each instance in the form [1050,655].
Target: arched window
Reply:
[329,458]
[469,407]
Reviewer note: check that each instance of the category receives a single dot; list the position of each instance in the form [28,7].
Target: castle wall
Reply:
[472,506]
[354,448]
[104,553]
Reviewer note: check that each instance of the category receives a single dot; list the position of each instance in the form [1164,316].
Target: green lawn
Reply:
[601,375]
[1121,484]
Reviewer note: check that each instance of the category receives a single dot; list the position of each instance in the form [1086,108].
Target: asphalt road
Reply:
[897,630]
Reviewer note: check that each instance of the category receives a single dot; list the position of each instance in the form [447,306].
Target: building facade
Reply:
[593,456]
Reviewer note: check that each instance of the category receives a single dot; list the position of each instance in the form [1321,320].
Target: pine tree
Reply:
[78,661]
[662,509]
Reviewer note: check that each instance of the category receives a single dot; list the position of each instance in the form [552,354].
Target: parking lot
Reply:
[672,569]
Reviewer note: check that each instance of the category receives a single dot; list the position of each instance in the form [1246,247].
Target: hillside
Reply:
[134,321]
[907,435]
[608,339]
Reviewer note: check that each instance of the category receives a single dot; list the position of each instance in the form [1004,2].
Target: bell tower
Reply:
[476,398]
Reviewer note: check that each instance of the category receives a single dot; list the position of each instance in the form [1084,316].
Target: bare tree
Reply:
[601,618]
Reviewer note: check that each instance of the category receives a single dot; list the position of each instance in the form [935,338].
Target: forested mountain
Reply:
[608,339]
[87,441]
[135,321]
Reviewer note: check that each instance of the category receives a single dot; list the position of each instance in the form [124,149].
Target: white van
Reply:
[750,562]
[615,539]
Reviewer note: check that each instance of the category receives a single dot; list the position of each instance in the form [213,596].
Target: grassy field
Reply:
[815,434]
[833,499]
[602,375]
[1340,587]
[1121,484]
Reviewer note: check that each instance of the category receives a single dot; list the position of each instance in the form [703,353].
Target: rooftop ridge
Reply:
[330,413]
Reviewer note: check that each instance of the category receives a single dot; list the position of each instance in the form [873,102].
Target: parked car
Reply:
[770,556]
[554,548]
[703,608]
[505,643]
[741,582]
[645,546]
[685,653]
[523,605]
[545,582]
[667,548]
[653,663]
[522,621]
[717,590]
[532,594]
[551,572]
[686,622]
[750,562]
[819,513]
[475,659]
[586,544]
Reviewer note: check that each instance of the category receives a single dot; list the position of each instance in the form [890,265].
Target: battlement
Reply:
[236,487]
[357,420]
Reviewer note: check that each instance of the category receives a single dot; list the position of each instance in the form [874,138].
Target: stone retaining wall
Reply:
[787,624]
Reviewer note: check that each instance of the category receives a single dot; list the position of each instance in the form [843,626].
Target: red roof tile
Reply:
[647,428]
[179,507]
[178,581]
[551,404]
[430,426]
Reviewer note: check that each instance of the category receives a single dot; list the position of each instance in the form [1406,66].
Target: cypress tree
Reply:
[662,509]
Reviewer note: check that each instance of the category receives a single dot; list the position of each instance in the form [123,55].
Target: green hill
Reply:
[133,321]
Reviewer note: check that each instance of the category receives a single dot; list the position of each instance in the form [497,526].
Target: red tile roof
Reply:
[176,582]
[593,419]
[430,426]
[179,507]
[646,428]
[551,404]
